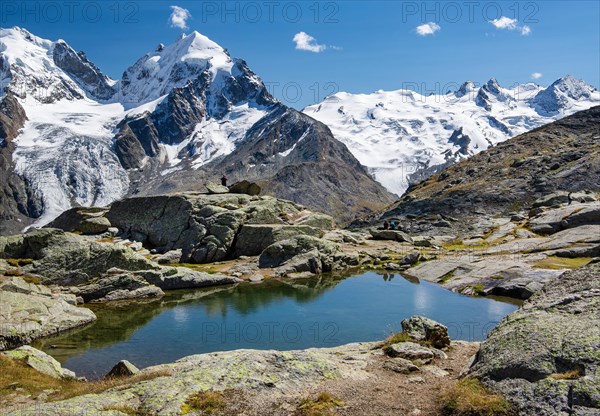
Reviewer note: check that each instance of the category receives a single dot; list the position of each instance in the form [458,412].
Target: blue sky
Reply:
[358,46]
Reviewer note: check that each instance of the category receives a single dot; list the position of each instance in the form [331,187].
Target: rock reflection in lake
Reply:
[276,314]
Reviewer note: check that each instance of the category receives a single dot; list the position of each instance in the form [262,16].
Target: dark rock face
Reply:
[318,171]
[550,344]
[89,77]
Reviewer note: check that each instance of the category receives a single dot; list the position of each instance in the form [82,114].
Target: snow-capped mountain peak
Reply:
[47,71]
[408,139]
[465,89]
[564,94]
[172,66]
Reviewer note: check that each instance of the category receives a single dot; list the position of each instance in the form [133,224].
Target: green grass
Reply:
[323,405]
[567,375]
[479,289]
[209,402]
[555,263]
[19,262]
[459,245]
[198,267]
[446,277]
[469,398]
[32,279]
[16,374]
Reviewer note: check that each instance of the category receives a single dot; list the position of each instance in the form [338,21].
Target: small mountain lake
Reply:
[326,311]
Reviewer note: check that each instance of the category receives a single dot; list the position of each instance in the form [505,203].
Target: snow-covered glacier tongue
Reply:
[403,136]
[65,152]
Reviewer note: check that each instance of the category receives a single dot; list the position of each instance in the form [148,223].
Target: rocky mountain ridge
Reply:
[507,179]
[74,137]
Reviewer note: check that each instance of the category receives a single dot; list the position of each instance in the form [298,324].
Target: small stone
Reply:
[436,371]
[94,225]
[122,369]
[409,351]
[213,188]
[256,278]
[400,365]
[416,379]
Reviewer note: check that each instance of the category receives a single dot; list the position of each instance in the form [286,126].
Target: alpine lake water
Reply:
[324,311]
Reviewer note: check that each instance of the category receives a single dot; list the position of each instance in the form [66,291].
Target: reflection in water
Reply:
[277,314]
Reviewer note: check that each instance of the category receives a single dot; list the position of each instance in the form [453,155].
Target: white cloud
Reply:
[306,42]
[536,75]
[179,17]
[506,23]
[428,29]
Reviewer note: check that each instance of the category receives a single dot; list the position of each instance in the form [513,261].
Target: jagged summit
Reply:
[173,66]
[71,136]
[564,93]
[47,71]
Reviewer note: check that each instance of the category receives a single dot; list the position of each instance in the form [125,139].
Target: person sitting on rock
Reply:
[386,225]
[224,180]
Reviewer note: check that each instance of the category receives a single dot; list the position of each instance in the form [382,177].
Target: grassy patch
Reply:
[446,277]
[29,278]
[469,398]
[323,405]
[479,289]
[401,337]
[106,240]
[460,245]
[567,375]
[13,272]
[17,374]
[198,267]
[19,262]
[553,262]
[209,402]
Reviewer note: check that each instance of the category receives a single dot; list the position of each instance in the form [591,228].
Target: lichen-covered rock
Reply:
[300,254]
[410,351]
[272,375]
[425,329]
[99,271]
[173,256]
[392,235]
[553,342]
[207,228]
[94,225]
[254,238]
[245,187]
[30,311]
[40,361]
[400,365]
[318,220]
[214,188]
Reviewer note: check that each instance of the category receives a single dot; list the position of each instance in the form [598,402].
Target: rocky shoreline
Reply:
[140,247]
